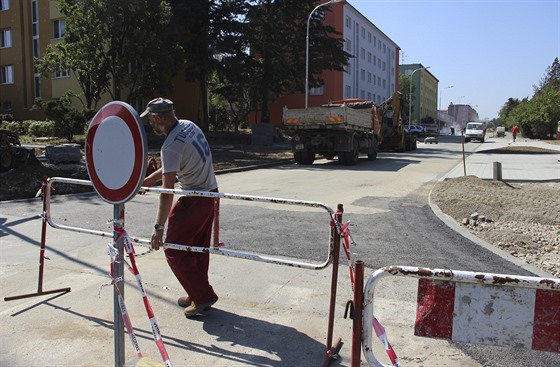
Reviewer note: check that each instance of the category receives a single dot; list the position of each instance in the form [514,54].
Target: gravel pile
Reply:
[521,219]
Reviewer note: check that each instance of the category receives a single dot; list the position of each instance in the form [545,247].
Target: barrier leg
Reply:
[40,291]
[358,308]
[332,350]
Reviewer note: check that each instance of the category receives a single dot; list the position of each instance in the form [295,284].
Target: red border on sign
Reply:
[124,193]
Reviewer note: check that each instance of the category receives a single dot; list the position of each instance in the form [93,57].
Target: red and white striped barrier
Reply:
[480,308]
[504,316]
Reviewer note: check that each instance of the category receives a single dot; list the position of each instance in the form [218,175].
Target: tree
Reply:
[404,86]
[506,109]
[114,47]
[276,35]
[551,77]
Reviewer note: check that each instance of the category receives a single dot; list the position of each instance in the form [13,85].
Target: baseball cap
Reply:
[158,105]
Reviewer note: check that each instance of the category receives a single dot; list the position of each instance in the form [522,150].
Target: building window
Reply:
[7,74]
[59,27]
[317,91]
[349,69]
[363,32]
[384,83]
[374,80]
[362,94]
[4,4]
[348,92]
[348,22]
[369,77]
[62,74]
[369,57]
[5,37]
[384,65]
[369,96]
[379,81]
[369,37]
[363,54]
[37,86]
[348,45]
[363,74]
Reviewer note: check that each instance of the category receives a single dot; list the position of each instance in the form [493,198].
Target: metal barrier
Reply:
[442,313]
[212,250]
[335,218]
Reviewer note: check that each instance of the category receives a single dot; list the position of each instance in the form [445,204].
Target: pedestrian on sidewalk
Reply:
[514,131]
[186,156]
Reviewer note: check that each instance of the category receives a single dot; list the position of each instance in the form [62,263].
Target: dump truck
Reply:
[346,129]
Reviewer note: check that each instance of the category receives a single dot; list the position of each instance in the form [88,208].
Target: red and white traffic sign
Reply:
[116,152]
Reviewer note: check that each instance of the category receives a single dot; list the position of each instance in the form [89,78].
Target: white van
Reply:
[475,131]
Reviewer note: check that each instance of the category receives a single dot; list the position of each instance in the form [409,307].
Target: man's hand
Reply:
[157,239]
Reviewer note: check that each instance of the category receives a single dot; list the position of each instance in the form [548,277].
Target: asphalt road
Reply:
[386,201]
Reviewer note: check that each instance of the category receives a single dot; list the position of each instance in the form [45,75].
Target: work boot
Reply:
[193,309]
[184,301]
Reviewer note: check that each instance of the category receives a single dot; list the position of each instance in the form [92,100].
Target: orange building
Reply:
[372,73]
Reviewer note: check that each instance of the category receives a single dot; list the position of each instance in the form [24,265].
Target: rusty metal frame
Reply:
[438,274]
[211,250]
[332,349]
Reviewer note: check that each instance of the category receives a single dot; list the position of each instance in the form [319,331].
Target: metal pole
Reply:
[118,273]
[463,147]
[358,312]
[332,350]
[307,48]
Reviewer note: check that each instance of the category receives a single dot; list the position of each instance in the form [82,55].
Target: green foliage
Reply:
[41,128]
[114,47]
[67,120]
[6,117]
[537,117]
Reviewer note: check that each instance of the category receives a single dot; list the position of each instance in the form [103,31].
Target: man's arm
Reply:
[164,207]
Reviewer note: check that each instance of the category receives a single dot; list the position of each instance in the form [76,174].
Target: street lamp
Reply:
[307,48]
[410,94]
[439,108]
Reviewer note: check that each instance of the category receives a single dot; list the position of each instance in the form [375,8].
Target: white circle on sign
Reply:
[113,152]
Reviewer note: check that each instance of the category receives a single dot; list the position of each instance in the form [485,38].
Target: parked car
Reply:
[417,130]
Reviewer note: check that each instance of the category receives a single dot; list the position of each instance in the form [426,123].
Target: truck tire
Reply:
[372,151]
[351,157]
[306,157]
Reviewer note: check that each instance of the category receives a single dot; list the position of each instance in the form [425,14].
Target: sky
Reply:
[488,50]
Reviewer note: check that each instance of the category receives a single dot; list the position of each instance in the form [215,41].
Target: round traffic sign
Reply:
[116,152]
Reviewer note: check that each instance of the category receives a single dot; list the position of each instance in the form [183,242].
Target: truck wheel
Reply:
[353,155]
[306,157]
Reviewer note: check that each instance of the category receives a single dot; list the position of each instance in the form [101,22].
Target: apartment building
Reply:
[424,92]
[26,28]
[372,73]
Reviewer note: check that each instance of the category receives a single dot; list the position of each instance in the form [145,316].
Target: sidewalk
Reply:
[516,166]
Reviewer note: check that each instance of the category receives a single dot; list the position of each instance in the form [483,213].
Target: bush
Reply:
[41,128]
[6,117]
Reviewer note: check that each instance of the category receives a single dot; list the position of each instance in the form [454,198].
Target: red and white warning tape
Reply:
[347,241]
[134,270]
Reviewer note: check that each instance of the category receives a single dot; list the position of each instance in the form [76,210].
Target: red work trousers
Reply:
[190,224]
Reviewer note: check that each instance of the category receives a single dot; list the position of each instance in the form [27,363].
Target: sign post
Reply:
[116,157]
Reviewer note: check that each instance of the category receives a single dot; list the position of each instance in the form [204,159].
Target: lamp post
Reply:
[307,48]
[439,108]
[410,94]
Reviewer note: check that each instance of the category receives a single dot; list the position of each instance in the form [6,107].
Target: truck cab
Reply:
[475,131]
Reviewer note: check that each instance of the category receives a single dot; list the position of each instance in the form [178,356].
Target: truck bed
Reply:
[342,118]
